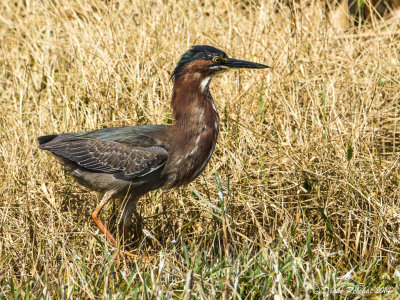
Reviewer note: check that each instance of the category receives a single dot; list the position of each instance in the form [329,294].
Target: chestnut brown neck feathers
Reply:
[197,124]
[191,89]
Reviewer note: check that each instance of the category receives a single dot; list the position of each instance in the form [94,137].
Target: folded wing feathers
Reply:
[111,157]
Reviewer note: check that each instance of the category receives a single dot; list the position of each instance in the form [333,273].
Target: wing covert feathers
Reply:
[125,161]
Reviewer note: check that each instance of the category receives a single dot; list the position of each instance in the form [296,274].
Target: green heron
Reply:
[128,162]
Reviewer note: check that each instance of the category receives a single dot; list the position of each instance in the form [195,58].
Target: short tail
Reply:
[45,139]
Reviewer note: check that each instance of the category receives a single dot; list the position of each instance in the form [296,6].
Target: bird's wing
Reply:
[107,156]
[143,135]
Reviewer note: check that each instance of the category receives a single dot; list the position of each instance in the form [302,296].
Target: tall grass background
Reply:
[300,199]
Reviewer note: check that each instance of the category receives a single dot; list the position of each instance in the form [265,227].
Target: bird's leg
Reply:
[126,222]
[126,216]
[139,224]
[95,215]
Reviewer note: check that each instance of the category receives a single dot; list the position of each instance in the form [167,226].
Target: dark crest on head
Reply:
[196,52]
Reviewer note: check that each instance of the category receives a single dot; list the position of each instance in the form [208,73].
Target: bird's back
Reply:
[113,158]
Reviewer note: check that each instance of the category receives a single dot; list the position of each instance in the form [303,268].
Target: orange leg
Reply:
[96,218]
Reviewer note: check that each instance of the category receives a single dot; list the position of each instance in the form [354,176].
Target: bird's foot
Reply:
[131,255]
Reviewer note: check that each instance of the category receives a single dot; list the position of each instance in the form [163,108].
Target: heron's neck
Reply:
[192,104]
[195,132]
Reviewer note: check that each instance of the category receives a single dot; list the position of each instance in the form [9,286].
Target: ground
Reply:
[301,197]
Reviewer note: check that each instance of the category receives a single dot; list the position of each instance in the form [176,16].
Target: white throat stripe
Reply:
[204,83]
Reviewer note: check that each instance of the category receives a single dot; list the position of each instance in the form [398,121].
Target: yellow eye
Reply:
[217,59]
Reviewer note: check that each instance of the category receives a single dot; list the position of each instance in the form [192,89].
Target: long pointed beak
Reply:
[237,63]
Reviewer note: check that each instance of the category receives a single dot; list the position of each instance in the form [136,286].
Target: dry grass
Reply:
[303,186]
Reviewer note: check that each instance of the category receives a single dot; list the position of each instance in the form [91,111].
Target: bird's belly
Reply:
[100,182]
[198,168]
[187,167]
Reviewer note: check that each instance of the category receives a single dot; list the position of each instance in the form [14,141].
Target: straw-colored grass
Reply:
[301,194]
